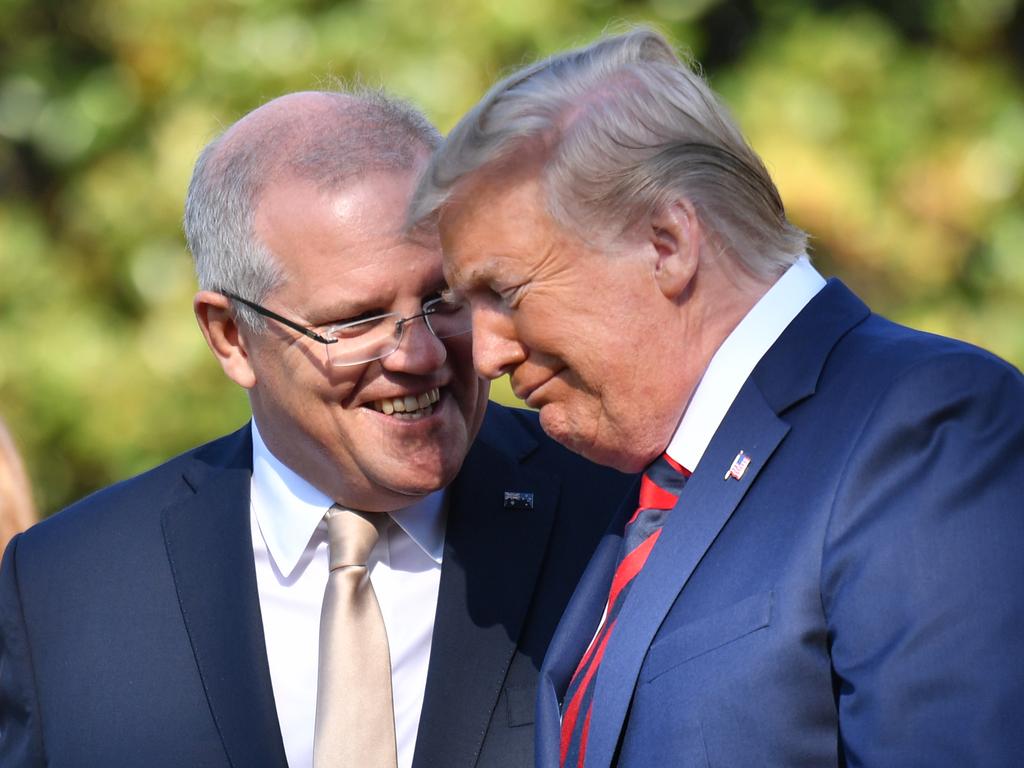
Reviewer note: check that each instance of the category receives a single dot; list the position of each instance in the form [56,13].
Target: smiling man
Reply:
[344,581]
[823,563]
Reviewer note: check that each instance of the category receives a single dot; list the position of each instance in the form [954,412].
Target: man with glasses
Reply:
[348,580]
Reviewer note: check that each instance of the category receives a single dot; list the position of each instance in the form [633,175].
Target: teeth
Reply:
[415,415]
[409,406]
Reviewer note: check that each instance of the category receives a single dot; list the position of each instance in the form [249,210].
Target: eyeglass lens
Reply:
[378,337]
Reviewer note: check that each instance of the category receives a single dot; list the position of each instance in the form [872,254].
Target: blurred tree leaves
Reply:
[894,131]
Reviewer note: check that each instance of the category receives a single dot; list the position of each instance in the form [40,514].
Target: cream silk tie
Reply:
[355,720]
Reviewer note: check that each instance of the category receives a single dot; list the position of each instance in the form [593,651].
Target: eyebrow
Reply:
[479,274]
[369,308]
[330,313]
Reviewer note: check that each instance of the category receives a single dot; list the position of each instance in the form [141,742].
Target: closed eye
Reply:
[361,321]
[371,315]
[511,297]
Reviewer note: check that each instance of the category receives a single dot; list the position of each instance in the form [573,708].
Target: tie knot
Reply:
[662,483]
[351,535]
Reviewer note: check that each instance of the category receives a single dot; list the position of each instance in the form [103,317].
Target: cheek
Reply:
[569,324]
[476,416]
[460,353]
[460,359]
[549,332]
[339,385]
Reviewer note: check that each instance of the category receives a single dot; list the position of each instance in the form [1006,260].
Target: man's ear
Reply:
[224,337]
[675,233]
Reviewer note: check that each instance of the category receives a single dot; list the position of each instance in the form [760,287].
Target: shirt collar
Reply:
[289,508]
[741,351]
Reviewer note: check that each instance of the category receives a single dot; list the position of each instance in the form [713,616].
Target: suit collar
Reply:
[492,559]
[737,356]
[790,371]
[289,509]
[209,547]
[787,374]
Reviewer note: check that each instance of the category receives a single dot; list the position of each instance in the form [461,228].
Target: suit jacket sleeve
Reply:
[922,577]
[20,735]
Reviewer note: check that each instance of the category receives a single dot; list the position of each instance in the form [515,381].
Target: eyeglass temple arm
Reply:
[403,321]
[274,316]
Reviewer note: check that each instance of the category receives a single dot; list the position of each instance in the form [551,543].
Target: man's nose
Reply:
[496,346]
[419,350]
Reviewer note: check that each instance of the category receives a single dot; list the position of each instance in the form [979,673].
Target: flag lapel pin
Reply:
[739,466]
[518,500]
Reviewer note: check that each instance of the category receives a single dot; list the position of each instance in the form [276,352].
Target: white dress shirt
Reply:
[731,365]
[739,354]
[289,542]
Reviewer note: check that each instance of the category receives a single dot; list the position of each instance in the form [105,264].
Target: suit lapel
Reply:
[705,505]
[579,622]
[492,558]
[209,547]
[574,633]
[787,374]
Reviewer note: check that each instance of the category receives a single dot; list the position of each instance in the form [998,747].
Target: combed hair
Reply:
[355,133]
[624,127]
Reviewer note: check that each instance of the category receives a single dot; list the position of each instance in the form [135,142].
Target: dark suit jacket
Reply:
[856,598]
[131,630]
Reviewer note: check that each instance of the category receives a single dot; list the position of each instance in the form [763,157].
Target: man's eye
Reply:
[511,297]
[358,325]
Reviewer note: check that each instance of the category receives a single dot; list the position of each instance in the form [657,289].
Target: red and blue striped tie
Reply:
[661,485]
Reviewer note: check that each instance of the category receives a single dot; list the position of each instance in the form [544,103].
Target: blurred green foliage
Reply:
[894,130]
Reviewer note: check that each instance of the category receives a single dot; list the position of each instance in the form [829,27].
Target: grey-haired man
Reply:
[824,567]
[175,619]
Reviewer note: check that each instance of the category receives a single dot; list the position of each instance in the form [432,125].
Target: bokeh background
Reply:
[895,131]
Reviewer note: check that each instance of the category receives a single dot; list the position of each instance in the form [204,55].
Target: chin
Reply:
[566,432]
[612,456]
[621,455]
[422,480]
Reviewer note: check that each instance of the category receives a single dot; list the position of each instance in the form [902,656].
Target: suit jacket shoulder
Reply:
[130,626]
[136,501]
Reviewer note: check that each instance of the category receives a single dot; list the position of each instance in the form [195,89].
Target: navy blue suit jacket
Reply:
[131,631]
[856,598]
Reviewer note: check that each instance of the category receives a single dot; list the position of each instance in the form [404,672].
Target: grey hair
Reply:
[623,127]
[344,136]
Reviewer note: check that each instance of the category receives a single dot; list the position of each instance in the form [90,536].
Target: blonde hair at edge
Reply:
[17,512]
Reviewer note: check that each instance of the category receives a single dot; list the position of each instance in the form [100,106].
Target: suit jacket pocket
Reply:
[703,635]
[521,702]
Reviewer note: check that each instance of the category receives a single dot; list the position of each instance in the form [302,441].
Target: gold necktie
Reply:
[355,720]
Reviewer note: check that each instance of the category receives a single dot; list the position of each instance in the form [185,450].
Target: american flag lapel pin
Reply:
[518,500]
[739,466]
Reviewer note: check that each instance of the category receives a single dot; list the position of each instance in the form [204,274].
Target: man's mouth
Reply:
[525,392]
[409,407]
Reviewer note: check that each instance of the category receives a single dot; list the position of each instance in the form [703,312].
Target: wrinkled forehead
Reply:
[349,241]
[496,230]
